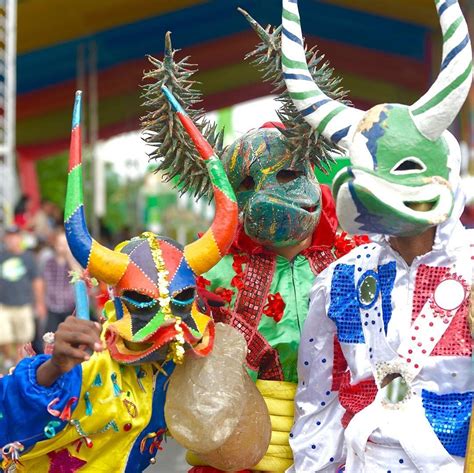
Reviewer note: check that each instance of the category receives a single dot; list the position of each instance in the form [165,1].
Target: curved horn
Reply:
[436,110]
[206,252]
[104,264]
[328,117]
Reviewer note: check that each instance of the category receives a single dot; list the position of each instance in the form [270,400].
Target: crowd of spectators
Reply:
[35,272]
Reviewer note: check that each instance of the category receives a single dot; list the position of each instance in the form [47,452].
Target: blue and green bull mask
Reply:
[278,196]
[404,164]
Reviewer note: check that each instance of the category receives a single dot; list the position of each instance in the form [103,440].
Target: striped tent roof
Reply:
[382,49]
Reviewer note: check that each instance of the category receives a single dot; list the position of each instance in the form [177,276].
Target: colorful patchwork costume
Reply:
[106,414]
[402,384]
[264,295]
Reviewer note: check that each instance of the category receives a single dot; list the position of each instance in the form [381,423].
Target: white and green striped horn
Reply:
[436,110]
[328,117]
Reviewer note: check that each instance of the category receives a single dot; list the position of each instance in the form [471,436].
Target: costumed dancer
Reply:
[399,306]
[104,411]
[287,233]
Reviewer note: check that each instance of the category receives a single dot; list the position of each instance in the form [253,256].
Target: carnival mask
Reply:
[278,196]
[155,314]
[401,155]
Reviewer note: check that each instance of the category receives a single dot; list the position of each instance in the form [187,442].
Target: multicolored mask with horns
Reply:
[405,164]
[155,314]
[278,196]
[271,168]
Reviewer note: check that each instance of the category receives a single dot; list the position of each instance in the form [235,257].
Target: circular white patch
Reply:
[449,294]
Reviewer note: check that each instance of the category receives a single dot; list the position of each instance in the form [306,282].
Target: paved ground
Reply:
[170,460]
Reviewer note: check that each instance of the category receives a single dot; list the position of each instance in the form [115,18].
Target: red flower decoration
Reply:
[274,307]
[237,282]
[343,243]
[202,282]
[224,294]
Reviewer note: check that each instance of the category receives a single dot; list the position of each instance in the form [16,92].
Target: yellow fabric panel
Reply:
[273,464]
[280,451]
[109,452]
[280,438]
[422,12]
[202,254]
[278,407]
[202,320]
[82,18]
[277,389]
[281,423]
[107,265]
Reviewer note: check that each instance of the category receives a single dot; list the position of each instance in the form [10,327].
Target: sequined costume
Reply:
[397,395]
[329,396]
[107,414]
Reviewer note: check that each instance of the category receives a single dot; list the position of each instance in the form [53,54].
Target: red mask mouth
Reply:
[128,352]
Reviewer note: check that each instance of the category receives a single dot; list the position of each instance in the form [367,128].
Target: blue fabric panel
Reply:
[78,236]
[449,415]
[344,308]
[138,461]
[183,278]
[23,402]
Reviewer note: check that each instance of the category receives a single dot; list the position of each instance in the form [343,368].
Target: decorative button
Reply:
[127,427]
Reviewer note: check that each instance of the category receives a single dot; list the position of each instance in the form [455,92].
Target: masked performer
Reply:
[287,233]
[104,412]
[398,307]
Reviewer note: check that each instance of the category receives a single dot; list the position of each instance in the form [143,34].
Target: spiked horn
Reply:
[204,253]
[435,111]
[104,264]
[328,117]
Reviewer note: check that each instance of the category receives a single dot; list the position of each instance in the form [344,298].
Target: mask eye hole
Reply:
[139,300]
[408,166]
[185,297]
[248,184]
[287,175]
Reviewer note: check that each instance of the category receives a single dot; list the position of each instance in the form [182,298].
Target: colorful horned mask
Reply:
[155,314]
[278,196]
[270,169]
[402,157]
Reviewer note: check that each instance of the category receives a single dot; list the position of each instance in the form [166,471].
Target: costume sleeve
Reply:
[24,403]
[317,435]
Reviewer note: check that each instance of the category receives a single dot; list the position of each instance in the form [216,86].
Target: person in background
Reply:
[59,293]
[21,294]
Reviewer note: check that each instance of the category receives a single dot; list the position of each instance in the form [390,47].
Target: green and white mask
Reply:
[403,160]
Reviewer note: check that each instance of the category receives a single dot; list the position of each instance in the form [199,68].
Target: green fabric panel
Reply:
[74,197]
[219,177]
[293,281]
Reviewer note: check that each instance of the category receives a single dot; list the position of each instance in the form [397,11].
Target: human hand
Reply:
[74,341]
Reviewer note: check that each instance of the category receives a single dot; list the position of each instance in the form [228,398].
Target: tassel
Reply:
[97,381]
[50,429]
[117,390]
[66,413]
[87,400]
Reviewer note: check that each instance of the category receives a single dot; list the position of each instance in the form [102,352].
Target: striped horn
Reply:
[206,252]
[328,117]
[436,110]
[104,264]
